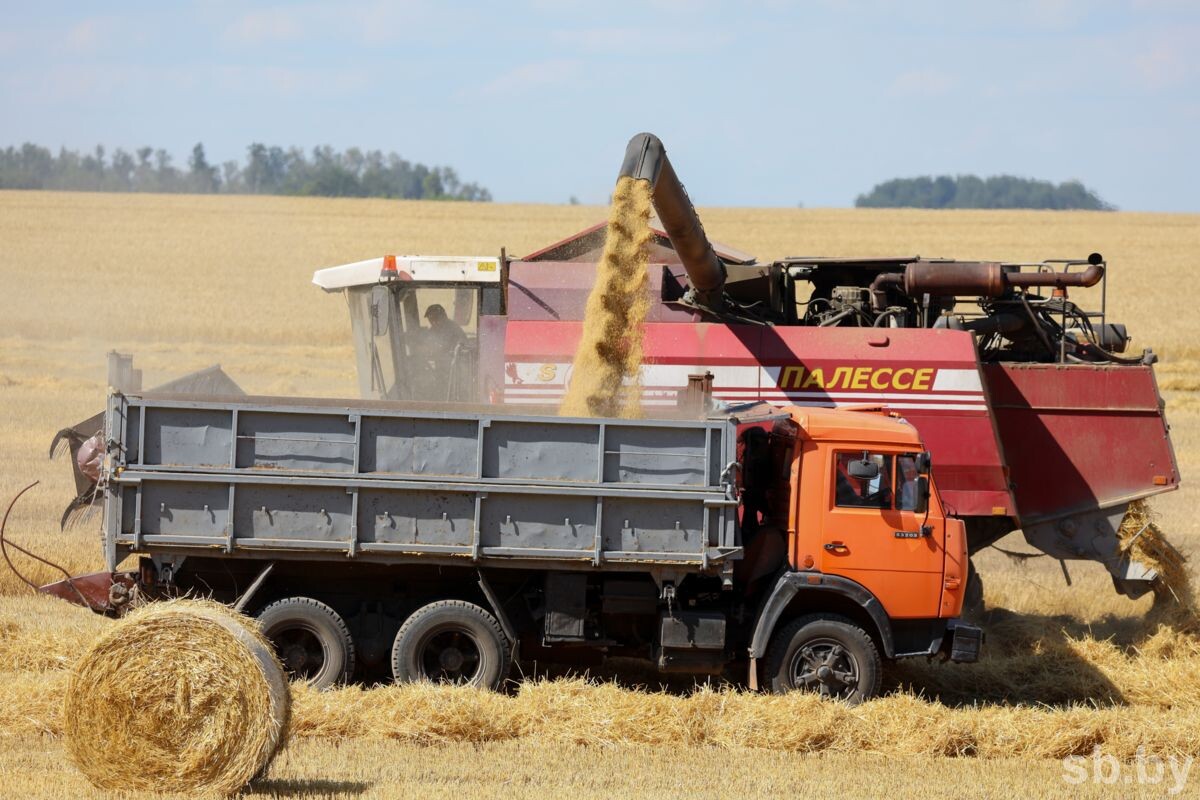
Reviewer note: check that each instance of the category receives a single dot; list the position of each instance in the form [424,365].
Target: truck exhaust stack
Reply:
[646,159]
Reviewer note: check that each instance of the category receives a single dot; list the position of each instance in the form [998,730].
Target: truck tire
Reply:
[311,639]
[827,654]
[451,641]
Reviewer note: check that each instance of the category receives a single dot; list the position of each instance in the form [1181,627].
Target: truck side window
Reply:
[856,493]
[906,482]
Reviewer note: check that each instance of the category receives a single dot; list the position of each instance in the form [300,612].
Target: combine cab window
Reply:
[873,492]
[416,343]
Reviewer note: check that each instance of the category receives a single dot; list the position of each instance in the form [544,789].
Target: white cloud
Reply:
[924,83]
[642,40]
[273,80]
[268,25]
[1168,60]
[529,77]
[106,85]
[86,35]
[367,23]
[1056,15]
[383,23]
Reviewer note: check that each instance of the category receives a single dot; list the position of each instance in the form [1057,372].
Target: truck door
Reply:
[871,534]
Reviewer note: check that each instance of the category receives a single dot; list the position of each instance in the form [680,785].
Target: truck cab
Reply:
[866,510]
[872,567]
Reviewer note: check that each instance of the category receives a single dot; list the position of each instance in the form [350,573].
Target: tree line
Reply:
[970,191]
[266,170]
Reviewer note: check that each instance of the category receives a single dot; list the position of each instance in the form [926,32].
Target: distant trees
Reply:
[970,191]
[267,170]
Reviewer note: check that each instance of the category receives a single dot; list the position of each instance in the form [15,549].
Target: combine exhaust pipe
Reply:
[646,159]
[985,279]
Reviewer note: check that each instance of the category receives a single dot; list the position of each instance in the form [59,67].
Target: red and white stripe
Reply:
[952,390]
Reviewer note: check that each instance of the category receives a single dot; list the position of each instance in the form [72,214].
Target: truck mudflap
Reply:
[962,642]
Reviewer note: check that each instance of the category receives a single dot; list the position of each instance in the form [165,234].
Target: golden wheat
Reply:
[185,695]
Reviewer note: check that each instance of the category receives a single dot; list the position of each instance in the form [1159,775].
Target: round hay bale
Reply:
[179,696]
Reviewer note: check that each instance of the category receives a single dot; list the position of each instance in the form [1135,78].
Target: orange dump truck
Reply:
[794,548]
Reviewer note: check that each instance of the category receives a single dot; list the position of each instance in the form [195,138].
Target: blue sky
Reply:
[760,104]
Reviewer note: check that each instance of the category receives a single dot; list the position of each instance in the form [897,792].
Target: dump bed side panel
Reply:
[389,483]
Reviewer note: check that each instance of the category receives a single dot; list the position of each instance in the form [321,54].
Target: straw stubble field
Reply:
[184,282]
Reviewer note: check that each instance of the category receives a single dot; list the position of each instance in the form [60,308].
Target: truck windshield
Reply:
[415,342]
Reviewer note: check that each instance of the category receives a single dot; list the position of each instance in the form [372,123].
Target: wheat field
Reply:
[187,281]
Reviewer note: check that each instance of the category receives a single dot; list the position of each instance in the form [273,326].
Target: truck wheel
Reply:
[311,640]
[451,641]
[826,654]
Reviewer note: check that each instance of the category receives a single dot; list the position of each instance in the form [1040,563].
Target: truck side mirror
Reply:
[921,505]
[924,463]
[864,470]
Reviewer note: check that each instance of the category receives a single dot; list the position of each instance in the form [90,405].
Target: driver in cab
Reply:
[444,333]
[444,339]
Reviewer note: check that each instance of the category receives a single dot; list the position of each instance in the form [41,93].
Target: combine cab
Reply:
[1035,416]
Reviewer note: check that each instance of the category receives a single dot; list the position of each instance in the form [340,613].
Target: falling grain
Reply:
[604,377]
[1142,539]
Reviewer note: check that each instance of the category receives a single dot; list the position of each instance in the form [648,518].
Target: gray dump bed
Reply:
[269,478]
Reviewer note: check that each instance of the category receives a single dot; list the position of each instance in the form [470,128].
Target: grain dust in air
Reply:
[605,377]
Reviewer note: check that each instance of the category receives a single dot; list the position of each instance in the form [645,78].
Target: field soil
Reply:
[183,282]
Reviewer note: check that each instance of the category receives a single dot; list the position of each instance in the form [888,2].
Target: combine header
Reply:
[1036,418]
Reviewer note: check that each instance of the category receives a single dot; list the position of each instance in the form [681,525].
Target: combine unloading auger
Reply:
[646,159]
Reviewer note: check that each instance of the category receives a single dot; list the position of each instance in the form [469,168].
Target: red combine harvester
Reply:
[1035,418]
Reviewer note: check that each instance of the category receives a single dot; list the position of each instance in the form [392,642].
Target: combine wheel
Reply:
[311,640]
[827,654]
[451,641]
